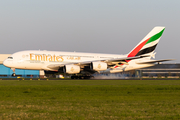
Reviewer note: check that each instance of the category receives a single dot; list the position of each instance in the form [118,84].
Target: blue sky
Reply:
[100,26]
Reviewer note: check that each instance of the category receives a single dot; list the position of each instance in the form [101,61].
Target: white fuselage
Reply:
[40,60]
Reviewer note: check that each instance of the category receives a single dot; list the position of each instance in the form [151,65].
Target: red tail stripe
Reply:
[136,50]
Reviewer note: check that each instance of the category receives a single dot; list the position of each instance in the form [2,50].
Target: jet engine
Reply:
[98,66]
[71,69]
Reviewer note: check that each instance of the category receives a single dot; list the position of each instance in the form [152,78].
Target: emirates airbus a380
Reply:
[83,65]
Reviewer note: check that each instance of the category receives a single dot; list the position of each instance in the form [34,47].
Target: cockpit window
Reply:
[10,57]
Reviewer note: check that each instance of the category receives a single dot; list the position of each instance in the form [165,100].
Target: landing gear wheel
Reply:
[74,77]
[88,77]
[82,77]
[13,74]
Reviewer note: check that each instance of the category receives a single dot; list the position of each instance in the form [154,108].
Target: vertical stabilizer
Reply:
[148,43]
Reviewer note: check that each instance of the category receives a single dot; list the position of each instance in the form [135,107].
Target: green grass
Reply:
[90,99]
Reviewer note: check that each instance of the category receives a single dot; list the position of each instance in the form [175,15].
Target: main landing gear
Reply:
[81,77]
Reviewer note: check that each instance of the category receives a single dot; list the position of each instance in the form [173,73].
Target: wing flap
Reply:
[124,59]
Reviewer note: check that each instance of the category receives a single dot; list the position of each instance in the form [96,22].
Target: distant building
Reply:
[159,71]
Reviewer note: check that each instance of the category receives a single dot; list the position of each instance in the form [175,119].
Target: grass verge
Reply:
[90,99]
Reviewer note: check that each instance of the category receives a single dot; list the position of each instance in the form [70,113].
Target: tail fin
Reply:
[148,43]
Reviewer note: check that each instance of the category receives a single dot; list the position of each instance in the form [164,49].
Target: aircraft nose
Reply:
[6,63]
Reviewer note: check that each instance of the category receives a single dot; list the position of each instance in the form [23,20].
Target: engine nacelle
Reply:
[72,69]
[98,66]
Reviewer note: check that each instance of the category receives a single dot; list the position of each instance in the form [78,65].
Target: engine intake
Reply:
[98,66]
[72,69]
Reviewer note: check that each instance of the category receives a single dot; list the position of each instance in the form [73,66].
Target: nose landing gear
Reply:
[14,74]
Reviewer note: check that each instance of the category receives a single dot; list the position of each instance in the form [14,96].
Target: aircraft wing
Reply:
[124,59]
[110,62]
[154,61]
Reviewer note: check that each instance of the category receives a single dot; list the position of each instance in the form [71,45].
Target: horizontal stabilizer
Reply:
[154,61]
